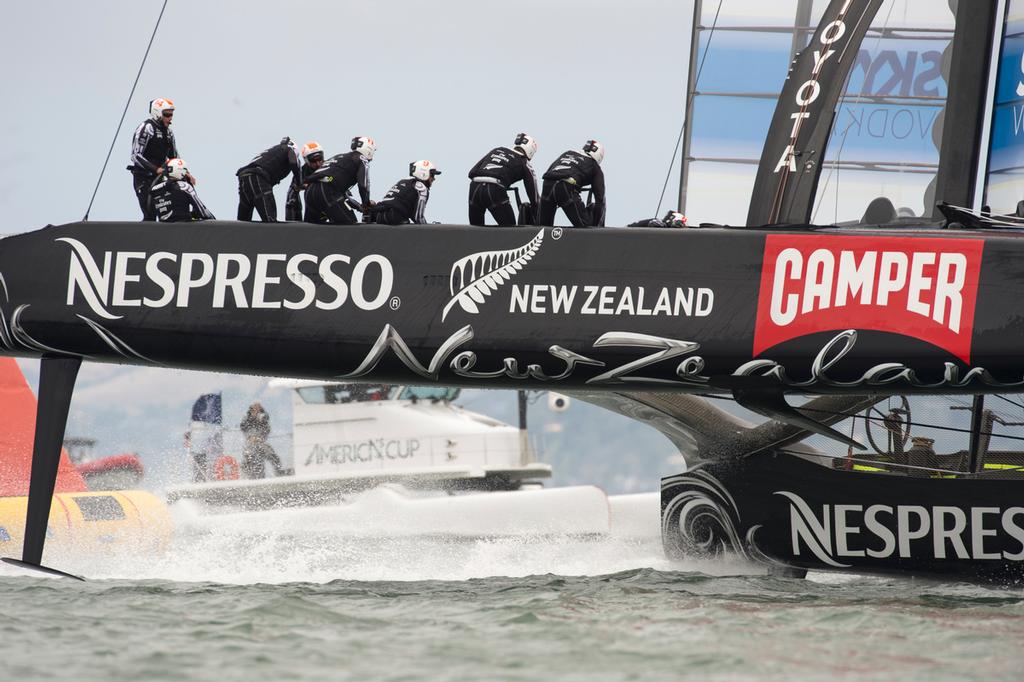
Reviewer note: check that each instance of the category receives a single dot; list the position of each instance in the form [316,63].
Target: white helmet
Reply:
[365,146]
[527,145]
[674,219]
[158,106]
[594,150]
[423,170]
[177,169]
[312,151]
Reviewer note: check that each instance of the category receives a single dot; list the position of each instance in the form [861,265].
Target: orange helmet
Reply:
[312,151]
[159,107]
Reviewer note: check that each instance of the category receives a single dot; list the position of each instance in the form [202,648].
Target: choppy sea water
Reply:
[309,608]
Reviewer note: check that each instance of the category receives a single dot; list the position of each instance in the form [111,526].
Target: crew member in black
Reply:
[671,219]
[312,160]
[173,198]
[562,184]
[152,145]
[407,200]
[327,193]
[256,180]
[494,174]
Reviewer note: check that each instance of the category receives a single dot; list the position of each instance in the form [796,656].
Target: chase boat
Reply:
[385,460]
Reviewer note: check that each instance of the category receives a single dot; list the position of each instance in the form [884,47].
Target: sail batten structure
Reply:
[888,119]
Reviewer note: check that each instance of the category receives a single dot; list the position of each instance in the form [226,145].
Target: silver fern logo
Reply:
[475,277]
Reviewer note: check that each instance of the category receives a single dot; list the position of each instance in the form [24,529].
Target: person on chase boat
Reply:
[407,200]
[569,174]
[152,145]
[173,197]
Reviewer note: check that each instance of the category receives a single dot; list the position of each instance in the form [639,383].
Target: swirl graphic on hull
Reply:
[703,520]
[13,334]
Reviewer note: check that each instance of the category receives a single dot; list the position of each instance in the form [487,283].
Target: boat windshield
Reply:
[346,393]
[433,393]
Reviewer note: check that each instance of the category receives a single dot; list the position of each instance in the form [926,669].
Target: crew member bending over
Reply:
[256,180]
[327,194]
[407,200]
[152,145]
[494,174]
[573,171]
[173,197]
[312,160]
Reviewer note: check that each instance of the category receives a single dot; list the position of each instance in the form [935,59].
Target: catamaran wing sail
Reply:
[887,127]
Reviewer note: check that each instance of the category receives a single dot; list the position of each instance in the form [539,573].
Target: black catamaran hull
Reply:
[785,511]
[810,311]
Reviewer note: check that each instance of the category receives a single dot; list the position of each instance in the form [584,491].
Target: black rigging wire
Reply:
[1012,402]
[689,101]
[124,113]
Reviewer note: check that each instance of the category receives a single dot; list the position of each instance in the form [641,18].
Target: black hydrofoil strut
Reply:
[56,382]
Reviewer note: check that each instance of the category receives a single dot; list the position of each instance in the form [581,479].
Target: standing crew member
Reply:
[255,427]
[152,145]
[256,180]
[313,159]
[407,200]
[327,194]
[494,174]
[173,198]
[671,219]
[573,171]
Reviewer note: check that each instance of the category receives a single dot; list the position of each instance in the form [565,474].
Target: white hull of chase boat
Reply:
[392,511]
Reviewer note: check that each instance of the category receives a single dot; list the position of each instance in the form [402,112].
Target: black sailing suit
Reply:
[404,202]
[562,184]
[175,201]
[152,145]
[257,178]
[293,200]
[491,177]
[327,194]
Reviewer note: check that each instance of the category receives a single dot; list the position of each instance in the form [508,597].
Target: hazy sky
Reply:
[440,80]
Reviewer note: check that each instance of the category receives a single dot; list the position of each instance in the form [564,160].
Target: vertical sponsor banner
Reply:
[918,287]
[790,164]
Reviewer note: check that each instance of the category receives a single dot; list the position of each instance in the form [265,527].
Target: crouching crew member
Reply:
[494,174]
[407,200]
[327,193]
[173,197]
[573,171]
[671,219]
[256,180]
[312,159]
[152,145]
